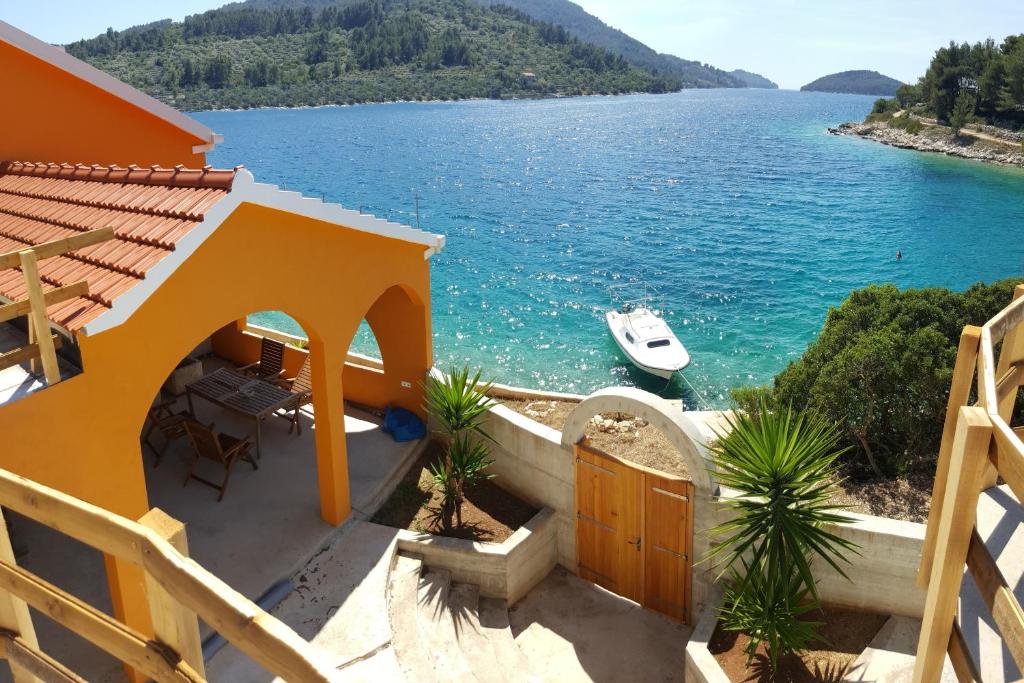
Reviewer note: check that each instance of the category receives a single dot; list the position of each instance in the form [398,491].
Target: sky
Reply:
[791,42]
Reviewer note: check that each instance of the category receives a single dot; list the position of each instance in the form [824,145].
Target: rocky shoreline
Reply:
[937,139]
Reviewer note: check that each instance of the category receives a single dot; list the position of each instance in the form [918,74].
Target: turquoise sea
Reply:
[750,219]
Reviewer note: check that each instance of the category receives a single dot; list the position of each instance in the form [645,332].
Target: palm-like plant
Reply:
[466,465]
[784,468]
[459,402]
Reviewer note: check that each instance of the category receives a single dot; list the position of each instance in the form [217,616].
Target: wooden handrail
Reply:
[250,629]
[975,439]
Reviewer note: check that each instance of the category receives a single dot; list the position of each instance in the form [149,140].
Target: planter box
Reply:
[188,371]
[502,570]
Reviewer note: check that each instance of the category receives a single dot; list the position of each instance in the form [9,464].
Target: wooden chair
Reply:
[221,448]
[170,424]
[302,387]
[269,366]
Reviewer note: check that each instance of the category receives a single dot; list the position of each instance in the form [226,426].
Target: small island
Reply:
[857,82]
[969,104]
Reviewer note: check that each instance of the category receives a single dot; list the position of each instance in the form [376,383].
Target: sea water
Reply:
[736,204]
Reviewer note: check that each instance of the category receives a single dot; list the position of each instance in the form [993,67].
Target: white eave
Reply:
[245,189]
[104,81]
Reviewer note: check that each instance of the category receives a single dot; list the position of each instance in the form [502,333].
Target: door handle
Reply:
[636,541]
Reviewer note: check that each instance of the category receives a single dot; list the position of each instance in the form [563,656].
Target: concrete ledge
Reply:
[502,570]
[521,394]
[701,666]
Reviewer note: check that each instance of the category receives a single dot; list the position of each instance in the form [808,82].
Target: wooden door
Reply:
[608,509]
[634,531]
[668,531]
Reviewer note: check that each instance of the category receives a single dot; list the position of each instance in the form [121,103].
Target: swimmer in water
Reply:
[899,255]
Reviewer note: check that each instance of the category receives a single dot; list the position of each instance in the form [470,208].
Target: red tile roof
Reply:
[150,210]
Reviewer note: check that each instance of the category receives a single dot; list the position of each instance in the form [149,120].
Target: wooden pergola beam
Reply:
[27,352]
[56,295]
[58,247]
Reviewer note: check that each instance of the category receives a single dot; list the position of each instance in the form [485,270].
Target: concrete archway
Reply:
[658,412]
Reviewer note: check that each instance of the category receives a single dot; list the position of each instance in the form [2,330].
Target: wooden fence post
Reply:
[14,614]
[959,394]
[173,624]
[955,525]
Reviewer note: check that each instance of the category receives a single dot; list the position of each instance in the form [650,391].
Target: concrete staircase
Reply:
[444,631]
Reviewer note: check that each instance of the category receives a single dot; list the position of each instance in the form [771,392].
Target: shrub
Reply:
[963,111]
[784,466]
[880,369]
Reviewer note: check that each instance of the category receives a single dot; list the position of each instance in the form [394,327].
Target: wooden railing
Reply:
[978,446]
[179,591]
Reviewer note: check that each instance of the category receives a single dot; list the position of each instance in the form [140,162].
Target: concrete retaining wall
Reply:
[884,575]
[502,570]
[530,462]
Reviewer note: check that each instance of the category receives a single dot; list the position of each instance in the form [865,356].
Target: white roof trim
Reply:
[246,189]
[76,67]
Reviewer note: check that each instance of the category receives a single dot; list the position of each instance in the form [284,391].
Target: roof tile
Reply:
[150,210]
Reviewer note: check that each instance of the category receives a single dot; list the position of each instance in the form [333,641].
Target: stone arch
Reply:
[677,427]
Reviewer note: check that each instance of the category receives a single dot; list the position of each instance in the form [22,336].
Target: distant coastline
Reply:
[979,143]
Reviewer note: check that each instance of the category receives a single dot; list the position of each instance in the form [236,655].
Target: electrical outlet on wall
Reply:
[406,385]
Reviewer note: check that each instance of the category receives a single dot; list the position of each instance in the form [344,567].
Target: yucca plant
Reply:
[459,402]
[465,466]
[784,468]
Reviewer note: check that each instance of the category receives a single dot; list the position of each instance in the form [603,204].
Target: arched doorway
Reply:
[635,526]
[267,518]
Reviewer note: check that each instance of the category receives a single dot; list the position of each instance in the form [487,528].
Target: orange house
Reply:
[195,251]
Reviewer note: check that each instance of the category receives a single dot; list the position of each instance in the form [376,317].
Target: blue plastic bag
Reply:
[403,425]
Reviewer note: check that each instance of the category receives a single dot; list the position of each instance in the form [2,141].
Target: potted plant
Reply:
[784,468]
[459,403]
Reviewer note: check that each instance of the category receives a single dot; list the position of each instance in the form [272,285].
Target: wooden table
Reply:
[240,394]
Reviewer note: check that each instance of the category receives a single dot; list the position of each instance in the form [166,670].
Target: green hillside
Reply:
[752,80]
[376,50]
[589,28]
[855,82]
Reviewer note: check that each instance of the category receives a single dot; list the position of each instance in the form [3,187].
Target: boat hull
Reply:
[662,371]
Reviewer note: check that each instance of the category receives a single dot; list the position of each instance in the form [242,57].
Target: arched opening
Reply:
[229,448]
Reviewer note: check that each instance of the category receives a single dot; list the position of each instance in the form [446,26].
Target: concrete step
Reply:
[508,658]
[474,641]
[412,649]
[437,627]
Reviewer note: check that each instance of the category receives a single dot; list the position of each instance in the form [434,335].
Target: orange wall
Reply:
[82,436]
[50,115]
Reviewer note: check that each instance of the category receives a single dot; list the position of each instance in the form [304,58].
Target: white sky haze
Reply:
[791,42]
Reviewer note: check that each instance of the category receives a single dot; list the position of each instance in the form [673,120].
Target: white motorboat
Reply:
[646,339]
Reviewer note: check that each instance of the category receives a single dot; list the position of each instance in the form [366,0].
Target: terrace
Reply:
[265,529]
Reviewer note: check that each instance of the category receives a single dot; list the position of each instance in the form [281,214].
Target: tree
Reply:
[784,466]
[963,111]
[217,72]
[880,369]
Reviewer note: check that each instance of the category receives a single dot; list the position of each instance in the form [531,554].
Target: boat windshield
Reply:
[657,343]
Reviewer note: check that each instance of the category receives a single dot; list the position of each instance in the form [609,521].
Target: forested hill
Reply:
[590,29]
[587,27]
[374,50]
[752,80]
[855,82]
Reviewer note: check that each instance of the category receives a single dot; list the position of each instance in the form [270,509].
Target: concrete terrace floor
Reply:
[266,529]
[572,630]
